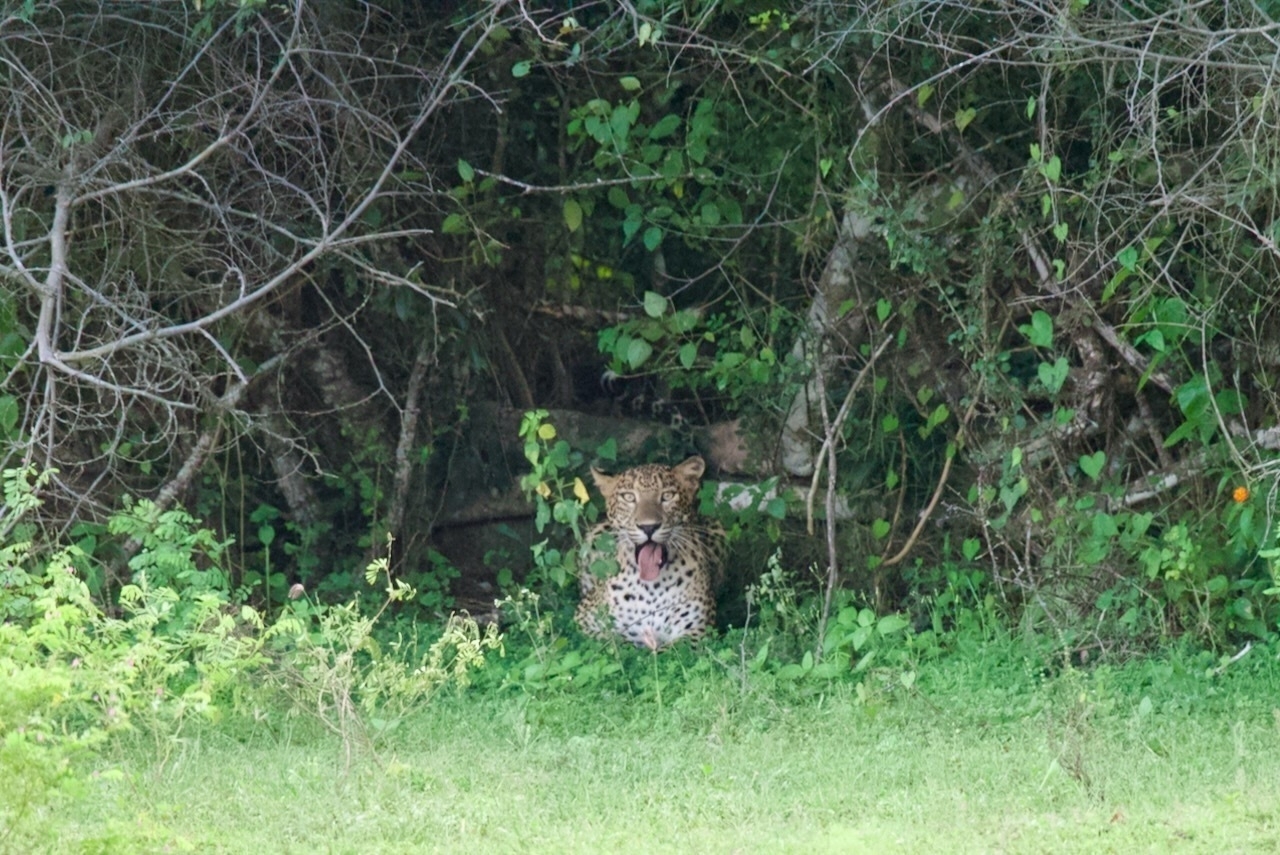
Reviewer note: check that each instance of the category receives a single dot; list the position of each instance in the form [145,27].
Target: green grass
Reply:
[987,754]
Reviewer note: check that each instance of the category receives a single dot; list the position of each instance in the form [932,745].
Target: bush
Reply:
[72,676]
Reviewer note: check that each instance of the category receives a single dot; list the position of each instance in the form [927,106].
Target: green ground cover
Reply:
[989,751]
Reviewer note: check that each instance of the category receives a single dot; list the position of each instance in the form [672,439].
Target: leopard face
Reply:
[669,559]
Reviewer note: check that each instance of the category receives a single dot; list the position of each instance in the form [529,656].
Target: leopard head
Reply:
[649,506]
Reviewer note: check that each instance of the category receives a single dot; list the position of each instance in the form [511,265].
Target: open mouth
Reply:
[651,557]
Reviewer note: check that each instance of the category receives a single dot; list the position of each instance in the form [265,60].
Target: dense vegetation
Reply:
[970,307]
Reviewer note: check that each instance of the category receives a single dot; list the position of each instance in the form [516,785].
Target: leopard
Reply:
[670,560]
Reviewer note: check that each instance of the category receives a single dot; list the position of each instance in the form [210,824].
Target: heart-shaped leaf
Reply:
[1040,330]
[638,351]
[1091,464]
[1053,375]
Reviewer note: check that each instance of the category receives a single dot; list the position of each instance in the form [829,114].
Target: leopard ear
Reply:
[690,471]
[606,484]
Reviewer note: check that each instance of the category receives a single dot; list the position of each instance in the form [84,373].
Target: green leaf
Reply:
[824,166]
[1040,332]
[1104,525]
[1053,168]
[776,508]
[1010,494]
[454,224]
[697,151]
[637,352]
[1091,464]
[684,320]
[8,414]
[730,211]
[1116,281]
[1230,402]
[889,624]
[688,353]
[521,68]
[1153,339]
[1053,376]
[618,197]
[664,127]
[970,548]
[939,415]
[880,529]
[608,450]
[1031,107]
[672,166]
[1060,231]
[572,214]
[652,238]
[964,117]
[710,214]
[1128,258]
[654,304]
[923,94]
[883,308]
[631,84]
[465,171]
[620,123]
[631,224]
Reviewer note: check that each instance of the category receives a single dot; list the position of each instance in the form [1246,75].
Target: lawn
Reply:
[986,753]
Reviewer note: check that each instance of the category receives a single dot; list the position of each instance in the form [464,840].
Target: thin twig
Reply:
[829,437]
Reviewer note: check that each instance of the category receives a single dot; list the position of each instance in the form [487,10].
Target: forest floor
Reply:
[985,753]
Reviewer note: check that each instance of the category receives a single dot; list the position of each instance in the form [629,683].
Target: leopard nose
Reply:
[648,530]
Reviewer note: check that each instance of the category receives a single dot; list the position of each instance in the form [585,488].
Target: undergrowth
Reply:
[175,652]
[88,692]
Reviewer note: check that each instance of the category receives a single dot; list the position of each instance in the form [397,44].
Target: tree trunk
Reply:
[814,346]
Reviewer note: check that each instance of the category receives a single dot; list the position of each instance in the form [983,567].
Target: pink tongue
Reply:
[650,559]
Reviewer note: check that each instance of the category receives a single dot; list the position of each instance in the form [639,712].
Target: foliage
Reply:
[556,495]
[729,206]
[543,657]
[989,751]
[358,687]
[73,676]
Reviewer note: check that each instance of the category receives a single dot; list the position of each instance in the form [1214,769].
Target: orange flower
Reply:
[1240,494]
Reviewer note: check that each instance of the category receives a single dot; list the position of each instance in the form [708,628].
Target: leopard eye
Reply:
[668,495]
[627,496]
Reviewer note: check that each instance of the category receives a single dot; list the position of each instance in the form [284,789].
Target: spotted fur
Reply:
[651,508]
